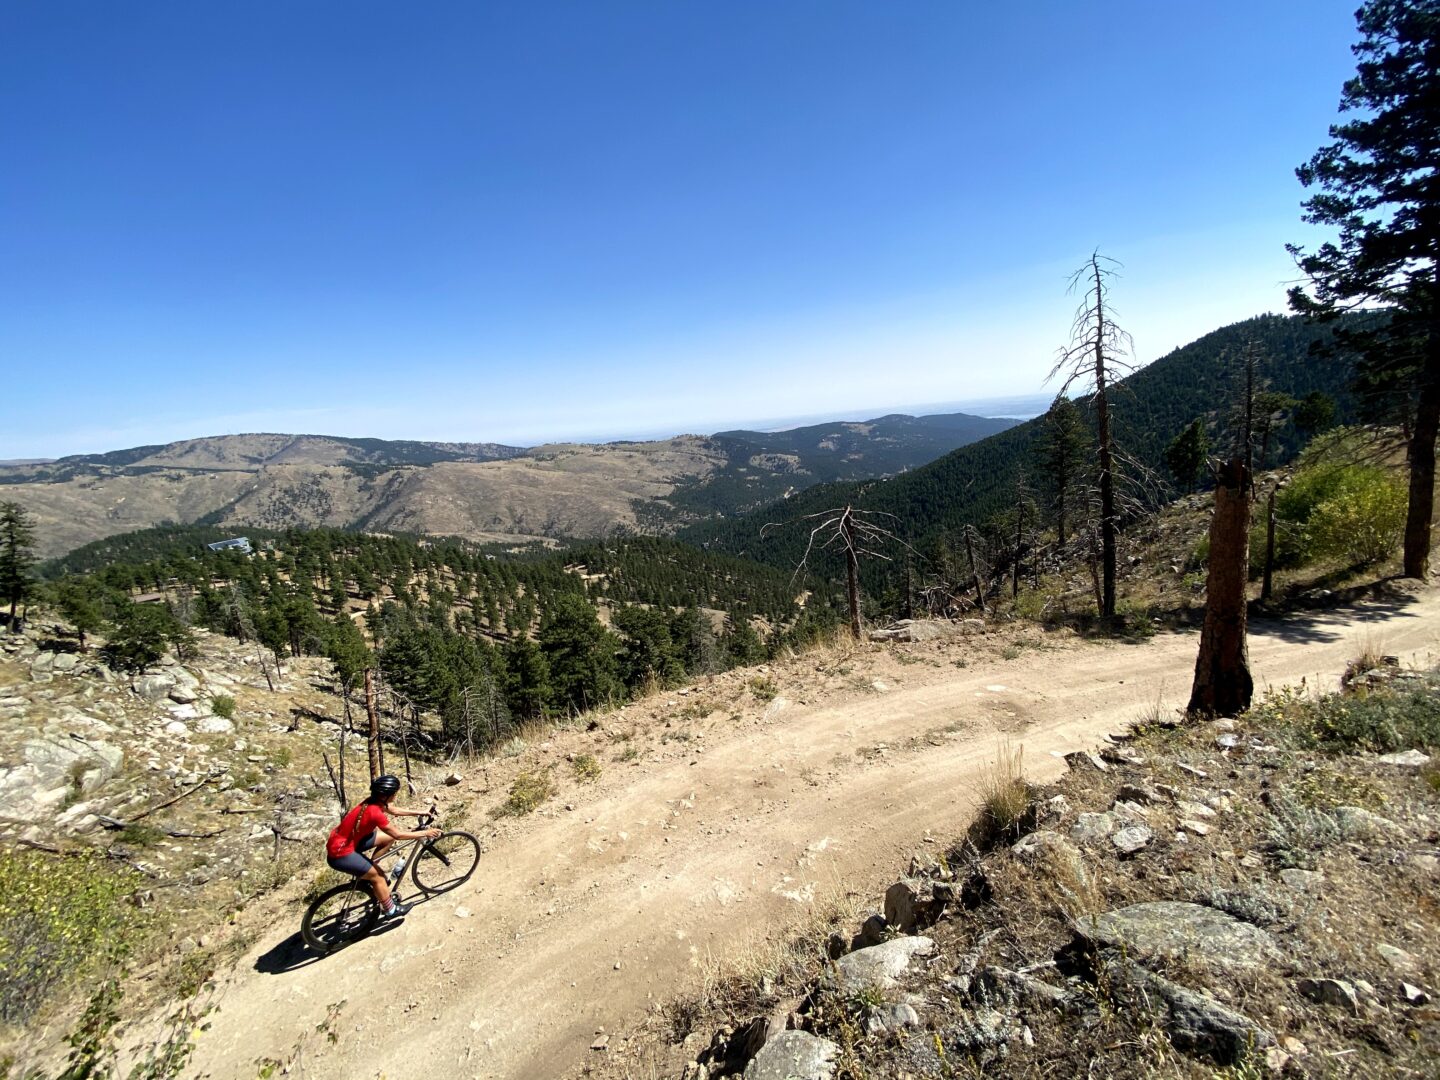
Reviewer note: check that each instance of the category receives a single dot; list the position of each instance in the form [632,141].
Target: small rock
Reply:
[1413,995]
[1227,741]
[1335,992]
[1412,759]
[462,912]
[1079,758]
[1196,828]
[879,966]
[602,1043]
[901,903]
[1397,958]
[1199,774]
[1357,823]
[1306,881]
[1132,839]
[65,661]
[1092,828]
[794,1055]
[1194,809]
[889,1018]
[214,725]
[1138,793]
[452,778]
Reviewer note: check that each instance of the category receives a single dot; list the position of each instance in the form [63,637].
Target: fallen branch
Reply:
[176,798]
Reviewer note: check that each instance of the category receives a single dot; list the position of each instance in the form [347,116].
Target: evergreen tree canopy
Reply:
[1379,186]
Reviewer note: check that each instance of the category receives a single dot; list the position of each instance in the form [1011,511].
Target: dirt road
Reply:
[613,895]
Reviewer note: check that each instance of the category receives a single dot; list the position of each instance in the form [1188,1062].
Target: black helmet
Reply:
[382,787]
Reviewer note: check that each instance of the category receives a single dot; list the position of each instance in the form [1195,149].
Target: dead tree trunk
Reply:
[852,567]
[1266,581]
[974,570]
[1223,685]
[374,729]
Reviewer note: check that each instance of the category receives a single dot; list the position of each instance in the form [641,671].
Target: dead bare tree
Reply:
[377,760]
[1094,359]
[1223,685]
[856,533]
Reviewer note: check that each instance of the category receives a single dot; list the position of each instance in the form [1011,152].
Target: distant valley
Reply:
[480,491]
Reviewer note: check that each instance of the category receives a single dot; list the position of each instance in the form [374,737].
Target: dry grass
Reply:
[1004,792]
[772,965]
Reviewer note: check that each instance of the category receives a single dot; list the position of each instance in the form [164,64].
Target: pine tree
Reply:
[17,554]
[1186,454]
[1062,454]
[580,653]
[1379,186]
[527,684]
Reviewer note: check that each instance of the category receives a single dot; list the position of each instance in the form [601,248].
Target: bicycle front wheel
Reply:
[338,917]
[445,862]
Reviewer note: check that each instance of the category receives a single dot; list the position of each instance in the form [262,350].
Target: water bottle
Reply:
[399,869]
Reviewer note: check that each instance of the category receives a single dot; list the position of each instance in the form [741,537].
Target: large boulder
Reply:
[153,687]
[52,770]
[1194,1022]
[1177,931]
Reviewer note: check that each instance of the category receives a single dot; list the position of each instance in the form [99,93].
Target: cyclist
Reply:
[367,828]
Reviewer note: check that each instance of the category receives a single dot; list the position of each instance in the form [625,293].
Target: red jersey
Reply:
[354,827]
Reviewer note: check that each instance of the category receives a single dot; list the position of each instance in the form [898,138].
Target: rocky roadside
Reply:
[203,812]
[1229,899]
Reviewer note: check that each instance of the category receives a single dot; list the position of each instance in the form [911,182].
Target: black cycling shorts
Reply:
[354,863]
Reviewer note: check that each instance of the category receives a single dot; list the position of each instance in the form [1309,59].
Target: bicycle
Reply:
[346,913]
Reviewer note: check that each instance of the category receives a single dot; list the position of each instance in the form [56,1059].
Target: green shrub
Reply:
[140,834]
[1363,521]
[1382,721]
[1332,509]
[764,688]
[62,919]
[586,768]
[223,705]
[527,792]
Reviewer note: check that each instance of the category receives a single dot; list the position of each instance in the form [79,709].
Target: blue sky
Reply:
[519,222]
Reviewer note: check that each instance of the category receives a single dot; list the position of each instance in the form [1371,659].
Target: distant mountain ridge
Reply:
[481,491]
[974,483]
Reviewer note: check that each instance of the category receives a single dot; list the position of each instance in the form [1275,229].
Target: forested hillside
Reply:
[977,484]
[482,639]
[762,466]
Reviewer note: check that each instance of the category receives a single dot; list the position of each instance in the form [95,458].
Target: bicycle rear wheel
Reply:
[338,917]
[445,862]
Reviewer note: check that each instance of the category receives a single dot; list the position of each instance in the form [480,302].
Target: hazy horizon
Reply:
[564,220]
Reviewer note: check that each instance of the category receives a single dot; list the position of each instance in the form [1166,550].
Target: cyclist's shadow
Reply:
[292,953]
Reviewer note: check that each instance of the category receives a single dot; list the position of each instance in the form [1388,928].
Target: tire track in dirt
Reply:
[581,920]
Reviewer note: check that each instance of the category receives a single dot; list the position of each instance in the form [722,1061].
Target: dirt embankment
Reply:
[718,816]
